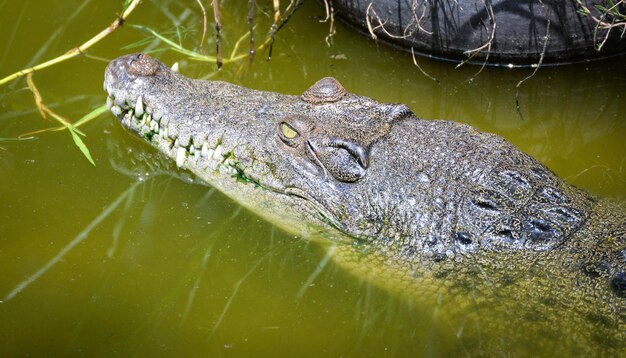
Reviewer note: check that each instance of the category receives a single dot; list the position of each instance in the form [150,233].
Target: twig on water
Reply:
[330,15]
[610,18]
[381,24]
[194,55]
[85,119]
[251,28]
[291,9]
[204,23]
[44,110]
[546,40]
[274,26]
[487,45]
[77,50]
[420,68]
[218,35]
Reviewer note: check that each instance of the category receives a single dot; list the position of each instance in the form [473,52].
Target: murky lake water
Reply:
[120,259]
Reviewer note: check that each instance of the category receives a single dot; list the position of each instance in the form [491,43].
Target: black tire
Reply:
[450,29]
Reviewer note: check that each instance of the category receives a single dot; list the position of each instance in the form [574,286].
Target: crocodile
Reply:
[428,208]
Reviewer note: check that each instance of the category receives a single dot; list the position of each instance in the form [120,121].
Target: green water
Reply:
[117,260]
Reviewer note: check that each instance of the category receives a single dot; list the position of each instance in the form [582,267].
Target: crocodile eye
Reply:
[288,131]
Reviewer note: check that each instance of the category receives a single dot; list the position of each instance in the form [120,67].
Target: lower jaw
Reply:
[212,163]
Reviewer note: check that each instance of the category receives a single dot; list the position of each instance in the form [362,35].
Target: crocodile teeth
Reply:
[148,120]
[205,150]
[116,110]
[181,155]
[175,67]
[109,102]
[209,153]
[139,107]
[218,152]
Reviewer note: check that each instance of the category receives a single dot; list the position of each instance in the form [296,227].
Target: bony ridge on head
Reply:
[326,90]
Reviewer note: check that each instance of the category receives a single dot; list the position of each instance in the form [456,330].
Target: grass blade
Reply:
[91,115]
[79,143]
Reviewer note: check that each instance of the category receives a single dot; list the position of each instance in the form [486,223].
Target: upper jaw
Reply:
[125,101]
[142,100]
[141,104]
[134,100]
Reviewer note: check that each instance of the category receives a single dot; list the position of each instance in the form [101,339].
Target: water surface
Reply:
[122,258]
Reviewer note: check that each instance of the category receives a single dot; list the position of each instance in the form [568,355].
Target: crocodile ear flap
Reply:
[357,151]
[345,161]
[395,111]
[326,90]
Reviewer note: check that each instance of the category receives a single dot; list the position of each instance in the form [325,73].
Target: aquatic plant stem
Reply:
[77,50]
[251,28]
[539,63]
[218,34]
[85,119]
[204,23]
[196,56]
[43,110]
[420,68]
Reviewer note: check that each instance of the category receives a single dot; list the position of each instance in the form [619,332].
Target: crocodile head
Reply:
[286,157]
[329,158]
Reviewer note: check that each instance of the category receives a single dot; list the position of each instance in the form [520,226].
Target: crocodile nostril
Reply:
[143,65]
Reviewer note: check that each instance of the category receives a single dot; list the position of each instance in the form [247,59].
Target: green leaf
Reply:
[79,143]
[173,45]
[91,115]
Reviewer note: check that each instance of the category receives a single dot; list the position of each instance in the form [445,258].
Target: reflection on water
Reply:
[126,258]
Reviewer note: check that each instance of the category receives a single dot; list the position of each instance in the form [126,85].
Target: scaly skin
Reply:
[432,209]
